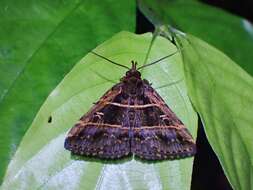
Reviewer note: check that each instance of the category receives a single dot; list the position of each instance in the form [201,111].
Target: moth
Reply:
[131,118]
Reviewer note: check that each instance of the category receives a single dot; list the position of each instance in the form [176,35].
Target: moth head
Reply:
[133,73]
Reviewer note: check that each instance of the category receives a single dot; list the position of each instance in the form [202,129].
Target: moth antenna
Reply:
[157,60]
[118,64]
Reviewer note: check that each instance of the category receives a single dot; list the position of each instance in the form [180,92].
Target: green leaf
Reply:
[229,33]
[41,160]
[40,41]
[221,92]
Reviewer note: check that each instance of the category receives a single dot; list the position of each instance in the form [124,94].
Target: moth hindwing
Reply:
[131,118]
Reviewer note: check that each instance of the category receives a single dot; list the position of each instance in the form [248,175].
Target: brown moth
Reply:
[131,119]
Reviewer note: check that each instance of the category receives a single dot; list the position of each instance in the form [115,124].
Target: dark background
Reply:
[207,171]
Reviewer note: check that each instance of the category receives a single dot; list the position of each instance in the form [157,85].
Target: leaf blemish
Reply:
[49,119]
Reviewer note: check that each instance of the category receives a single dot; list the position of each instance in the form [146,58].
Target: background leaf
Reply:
[41,162]
[231,34]
[221,93]
[39,43]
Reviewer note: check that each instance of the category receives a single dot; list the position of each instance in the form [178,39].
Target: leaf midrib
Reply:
[4,95]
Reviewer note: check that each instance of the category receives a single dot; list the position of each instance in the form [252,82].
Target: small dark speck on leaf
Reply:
[49,119]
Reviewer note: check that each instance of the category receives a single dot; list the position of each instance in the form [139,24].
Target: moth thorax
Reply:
[133,87]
